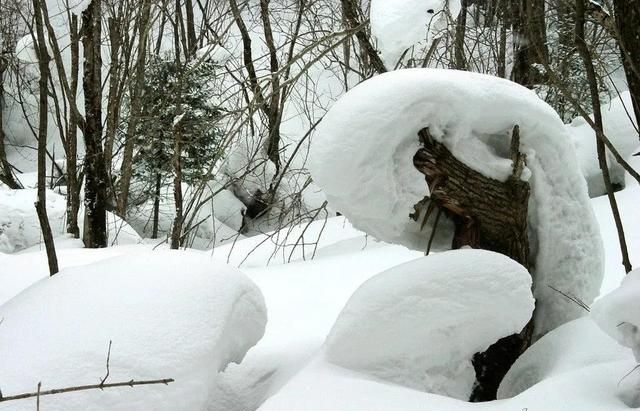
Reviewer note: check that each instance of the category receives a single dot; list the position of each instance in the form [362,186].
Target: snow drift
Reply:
[169,315]
[362,158]
[420,323]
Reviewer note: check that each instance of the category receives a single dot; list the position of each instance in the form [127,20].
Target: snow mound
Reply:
[169,315]
[420,323]
[620,127]
[618,313]
[572,346]
[369,137]
[399,24]
[19,225]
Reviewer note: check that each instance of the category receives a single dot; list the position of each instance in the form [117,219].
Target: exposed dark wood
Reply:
[95,195]
[628,26]
[351,14]
[487,214]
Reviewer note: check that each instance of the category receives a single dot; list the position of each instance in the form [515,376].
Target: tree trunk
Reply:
[530,41]
[176,233]
[73,185]
[585,54]
[6,172]
[95,228]
[628,22]
[487,214]
[156,206]
[134,114]
[461,31]
[41,203]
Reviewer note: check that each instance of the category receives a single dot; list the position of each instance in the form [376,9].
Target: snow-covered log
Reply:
[168,314]
[362,158]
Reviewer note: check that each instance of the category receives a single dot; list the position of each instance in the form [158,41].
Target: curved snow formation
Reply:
[420,323]
[168,314]
[362,157]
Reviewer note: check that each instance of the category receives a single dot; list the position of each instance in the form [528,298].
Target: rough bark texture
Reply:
[6,172]
[487,214]
[351,13]
[73,183]
[95,195]
[41,203]
[530,41]
[628,28]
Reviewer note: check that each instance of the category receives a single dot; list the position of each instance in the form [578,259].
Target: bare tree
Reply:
[41,203]
[95,226]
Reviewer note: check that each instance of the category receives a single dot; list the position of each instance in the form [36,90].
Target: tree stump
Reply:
[487,214]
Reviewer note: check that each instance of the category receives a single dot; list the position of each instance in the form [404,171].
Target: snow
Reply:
[575,345]
[476,296]
[399,24]
[620,127]
[20,227]
[369,137]
[618,313]
[169,315]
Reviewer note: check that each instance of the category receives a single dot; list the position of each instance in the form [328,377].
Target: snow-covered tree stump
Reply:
[487,214]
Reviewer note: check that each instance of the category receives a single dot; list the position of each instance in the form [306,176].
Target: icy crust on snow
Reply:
[419,324]
[362,158]
[618,313]
[169,315]
[399,24]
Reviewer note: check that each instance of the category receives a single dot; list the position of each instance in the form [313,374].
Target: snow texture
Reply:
[20,227]
[577,344]
[399,24]
[169,315]
[369,137]
[420,323]
[620,127]
[618,313]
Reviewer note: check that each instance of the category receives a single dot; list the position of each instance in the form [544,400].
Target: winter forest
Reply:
[319,205]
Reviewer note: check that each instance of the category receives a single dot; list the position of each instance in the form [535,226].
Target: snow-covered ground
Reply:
[62,332]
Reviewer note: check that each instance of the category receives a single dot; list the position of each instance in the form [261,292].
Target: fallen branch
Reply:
[130,383]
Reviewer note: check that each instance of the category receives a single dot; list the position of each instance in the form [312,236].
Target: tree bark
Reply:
[41,203]
[73,183]
[6,172]
[156,206]
[628,26]
[95,226]
[529,27]
[487,214]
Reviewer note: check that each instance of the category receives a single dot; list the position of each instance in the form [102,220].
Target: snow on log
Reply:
[420,323]
[168,315]
[362,158]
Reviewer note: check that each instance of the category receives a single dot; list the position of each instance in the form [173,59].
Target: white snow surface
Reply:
[420,323]
[577,344]
[620,126]
[20,227]
[618,313]
[168,314]
[369,137]
[399,24]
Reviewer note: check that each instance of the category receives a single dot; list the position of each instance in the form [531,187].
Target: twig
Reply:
[130,383]
[102,381]
[574,299]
